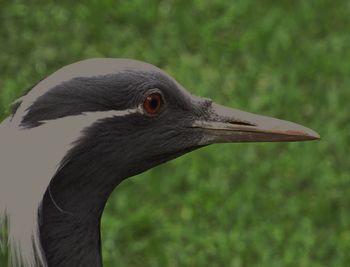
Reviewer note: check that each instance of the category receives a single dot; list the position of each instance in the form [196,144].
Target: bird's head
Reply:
[140,116]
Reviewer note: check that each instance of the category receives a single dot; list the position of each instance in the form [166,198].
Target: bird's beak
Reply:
[226,125]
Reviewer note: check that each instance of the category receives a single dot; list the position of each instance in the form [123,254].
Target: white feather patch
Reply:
[29,158]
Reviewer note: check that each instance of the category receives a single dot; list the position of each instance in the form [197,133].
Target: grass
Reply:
[226,205]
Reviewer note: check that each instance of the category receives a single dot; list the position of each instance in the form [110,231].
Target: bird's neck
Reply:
[73,204]
[70,217]
[69,241]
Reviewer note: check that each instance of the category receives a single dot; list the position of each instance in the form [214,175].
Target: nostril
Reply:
[245,123]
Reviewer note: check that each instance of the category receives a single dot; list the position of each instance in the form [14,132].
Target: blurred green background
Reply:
[284,204]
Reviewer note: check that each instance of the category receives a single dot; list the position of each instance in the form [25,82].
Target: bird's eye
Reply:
[153,103]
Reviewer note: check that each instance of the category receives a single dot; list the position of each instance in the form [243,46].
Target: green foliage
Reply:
[226,205]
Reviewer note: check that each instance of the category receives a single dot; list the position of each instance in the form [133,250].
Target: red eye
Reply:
[153,103]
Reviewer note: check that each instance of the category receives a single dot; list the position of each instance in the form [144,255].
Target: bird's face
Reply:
[142,117]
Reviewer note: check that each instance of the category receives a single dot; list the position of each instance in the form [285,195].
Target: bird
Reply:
[77,134]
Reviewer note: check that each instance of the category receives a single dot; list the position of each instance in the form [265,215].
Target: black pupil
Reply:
[154,102]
